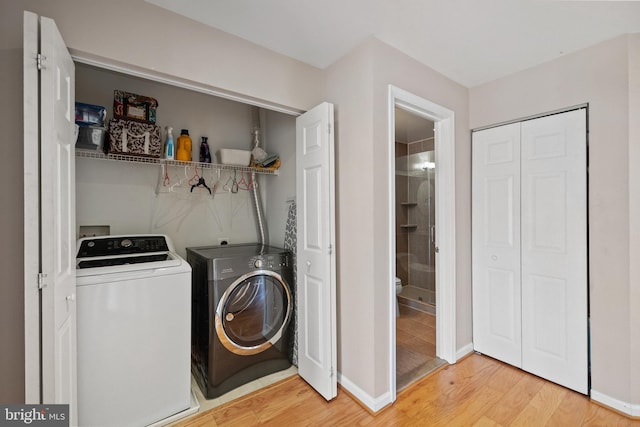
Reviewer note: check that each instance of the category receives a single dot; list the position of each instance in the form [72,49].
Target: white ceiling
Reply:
[469,41]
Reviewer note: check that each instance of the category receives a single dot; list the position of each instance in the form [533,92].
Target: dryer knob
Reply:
[258,263]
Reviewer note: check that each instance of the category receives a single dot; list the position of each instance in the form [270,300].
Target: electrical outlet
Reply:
[223,241]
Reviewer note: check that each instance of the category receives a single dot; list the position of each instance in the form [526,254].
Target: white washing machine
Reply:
[134,330]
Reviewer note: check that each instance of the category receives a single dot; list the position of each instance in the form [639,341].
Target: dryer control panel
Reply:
[270,262]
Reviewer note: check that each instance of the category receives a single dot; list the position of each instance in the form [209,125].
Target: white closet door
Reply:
[316,259]
[496,243]
[58,233]
[554,248]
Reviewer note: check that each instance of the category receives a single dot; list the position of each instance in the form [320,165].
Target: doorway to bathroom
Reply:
[415,208]
[415,211]
[422,249]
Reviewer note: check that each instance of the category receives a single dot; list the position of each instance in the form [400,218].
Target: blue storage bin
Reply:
[90,115]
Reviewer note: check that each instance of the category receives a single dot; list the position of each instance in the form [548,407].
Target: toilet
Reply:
[398,290]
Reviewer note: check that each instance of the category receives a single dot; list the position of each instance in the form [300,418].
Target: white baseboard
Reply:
[373,403]
[462,352]
[613,403]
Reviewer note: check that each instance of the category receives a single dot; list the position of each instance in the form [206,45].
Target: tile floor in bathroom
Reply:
[418,298]
[415,346]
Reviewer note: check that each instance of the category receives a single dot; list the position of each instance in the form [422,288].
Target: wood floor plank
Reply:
[439,400]
[505,378]
[241,419]
[542,406]
[571,411]
[485,422]
[198,420]
[515,399]
[598,416]
[278,400]
[472,408]
[477,391]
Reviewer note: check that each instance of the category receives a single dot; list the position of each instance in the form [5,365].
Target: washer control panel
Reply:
[121,245]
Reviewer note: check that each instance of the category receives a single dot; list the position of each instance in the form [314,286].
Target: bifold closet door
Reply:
[554,248]
[529,233]
[496,243]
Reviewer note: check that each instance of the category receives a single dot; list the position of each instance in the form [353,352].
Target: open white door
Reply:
[315,192]
[57,228]
[31,185]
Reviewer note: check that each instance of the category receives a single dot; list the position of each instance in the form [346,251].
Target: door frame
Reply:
[444,124]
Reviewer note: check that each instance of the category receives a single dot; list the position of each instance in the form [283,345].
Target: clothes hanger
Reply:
[195,179]
[234,183]
[243,184]
[201,183]
[181,180]
[166,182]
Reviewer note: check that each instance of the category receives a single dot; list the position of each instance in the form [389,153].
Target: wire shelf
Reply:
[91,154]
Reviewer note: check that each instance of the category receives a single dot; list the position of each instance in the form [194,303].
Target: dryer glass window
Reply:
[255,311]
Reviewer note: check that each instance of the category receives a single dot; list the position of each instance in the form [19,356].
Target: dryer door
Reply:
[253,312]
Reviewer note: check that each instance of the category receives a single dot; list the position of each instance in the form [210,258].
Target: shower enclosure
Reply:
[415,223]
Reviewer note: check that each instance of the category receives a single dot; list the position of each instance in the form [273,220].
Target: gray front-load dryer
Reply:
[241,311]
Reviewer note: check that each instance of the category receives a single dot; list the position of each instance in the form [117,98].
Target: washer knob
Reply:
[126,243]
[258,263]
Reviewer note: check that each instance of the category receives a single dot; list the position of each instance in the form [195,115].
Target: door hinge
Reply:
[330,248]
[329,128]
[41,283]
[39,60]
[332,372]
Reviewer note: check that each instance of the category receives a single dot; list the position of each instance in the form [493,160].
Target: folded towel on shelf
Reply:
[270,167]
[268,161]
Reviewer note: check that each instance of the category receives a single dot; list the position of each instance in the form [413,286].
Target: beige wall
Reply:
[598,76]
[349,83]
[11,207]
[634,212]
[137,33]
[358,85]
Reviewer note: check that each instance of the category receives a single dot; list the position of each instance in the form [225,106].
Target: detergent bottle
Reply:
[205,154]
[184,146]
[169,153]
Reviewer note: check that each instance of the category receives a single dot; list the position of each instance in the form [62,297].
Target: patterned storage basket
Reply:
[134,138]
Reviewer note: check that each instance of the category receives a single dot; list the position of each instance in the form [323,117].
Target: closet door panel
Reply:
[554,248]
[496,243]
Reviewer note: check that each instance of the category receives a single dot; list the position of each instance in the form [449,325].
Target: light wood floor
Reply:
[477,391]
[415,345]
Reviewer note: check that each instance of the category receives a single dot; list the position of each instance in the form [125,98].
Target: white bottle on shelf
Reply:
[169,153]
